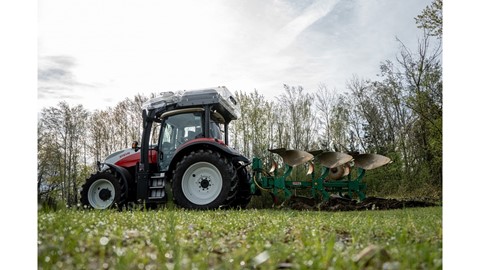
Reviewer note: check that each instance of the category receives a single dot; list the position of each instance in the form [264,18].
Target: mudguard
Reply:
[126,177]
[207,143]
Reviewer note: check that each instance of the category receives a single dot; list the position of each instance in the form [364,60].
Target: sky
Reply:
[98,53]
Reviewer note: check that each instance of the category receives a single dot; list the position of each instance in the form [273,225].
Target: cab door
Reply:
[176,130]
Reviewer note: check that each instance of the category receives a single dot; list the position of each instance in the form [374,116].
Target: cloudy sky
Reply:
[100,52]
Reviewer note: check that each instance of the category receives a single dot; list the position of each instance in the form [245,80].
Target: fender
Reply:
[207,143]
[124,174]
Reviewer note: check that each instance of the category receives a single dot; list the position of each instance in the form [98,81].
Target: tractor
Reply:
[184,144]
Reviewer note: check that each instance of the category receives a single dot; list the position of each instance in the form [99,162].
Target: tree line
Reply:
[71,140]
[399,115]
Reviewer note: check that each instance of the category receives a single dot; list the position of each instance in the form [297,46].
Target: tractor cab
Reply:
[187,117]
[194,121]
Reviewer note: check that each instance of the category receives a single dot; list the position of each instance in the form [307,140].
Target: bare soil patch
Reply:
[343,204]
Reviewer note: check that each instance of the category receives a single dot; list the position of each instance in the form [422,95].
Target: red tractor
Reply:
[185,144]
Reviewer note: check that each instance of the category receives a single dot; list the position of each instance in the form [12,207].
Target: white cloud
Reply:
[128,47]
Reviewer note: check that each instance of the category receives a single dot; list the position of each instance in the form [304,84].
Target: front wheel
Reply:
[103,190]
[204,180]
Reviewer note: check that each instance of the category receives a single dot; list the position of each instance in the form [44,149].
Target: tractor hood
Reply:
[128,157]
[119,155]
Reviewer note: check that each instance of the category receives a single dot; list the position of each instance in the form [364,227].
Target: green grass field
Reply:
[264,239]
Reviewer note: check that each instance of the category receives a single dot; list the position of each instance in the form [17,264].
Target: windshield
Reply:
[178,129]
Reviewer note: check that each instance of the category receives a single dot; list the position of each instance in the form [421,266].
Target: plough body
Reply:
[335,176]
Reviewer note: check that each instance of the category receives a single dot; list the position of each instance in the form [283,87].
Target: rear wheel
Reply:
[204,180]
[244,194]
[103,190]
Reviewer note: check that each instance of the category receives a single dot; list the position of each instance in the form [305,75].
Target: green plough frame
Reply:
[345,186]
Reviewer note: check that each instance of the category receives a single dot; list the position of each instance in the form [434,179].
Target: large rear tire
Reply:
[244,194]
[103,190]
[204,179]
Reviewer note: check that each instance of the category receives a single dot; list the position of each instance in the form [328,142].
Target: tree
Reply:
[326,101]
[64,128]
[300,119]
[422,73]
[47,169]
[252,133]
[431,19]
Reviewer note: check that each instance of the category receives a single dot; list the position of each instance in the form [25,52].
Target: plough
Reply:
[336,175]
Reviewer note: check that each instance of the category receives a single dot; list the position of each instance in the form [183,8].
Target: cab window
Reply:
[178,129]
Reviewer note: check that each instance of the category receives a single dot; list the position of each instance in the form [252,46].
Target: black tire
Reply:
[204,179]
[103,190]
[244,194]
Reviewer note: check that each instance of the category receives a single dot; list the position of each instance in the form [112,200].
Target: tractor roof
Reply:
[220,97]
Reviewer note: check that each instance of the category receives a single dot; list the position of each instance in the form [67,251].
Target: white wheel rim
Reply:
[101,194]
[202,183]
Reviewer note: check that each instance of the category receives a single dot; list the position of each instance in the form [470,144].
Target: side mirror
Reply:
[135,146]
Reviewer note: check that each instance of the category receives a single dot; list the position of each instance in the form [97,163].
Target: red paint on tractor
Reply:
[133,159]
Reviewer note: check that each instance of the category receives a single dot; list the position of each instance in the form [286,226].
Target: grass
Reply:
[246,239]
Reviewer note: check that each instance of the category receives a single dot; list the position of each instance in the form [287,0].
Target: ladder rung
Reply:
[156,198]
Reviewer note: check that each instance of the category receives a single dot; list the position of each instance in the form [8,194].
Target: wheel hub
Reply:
[105,194]
[204,183]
